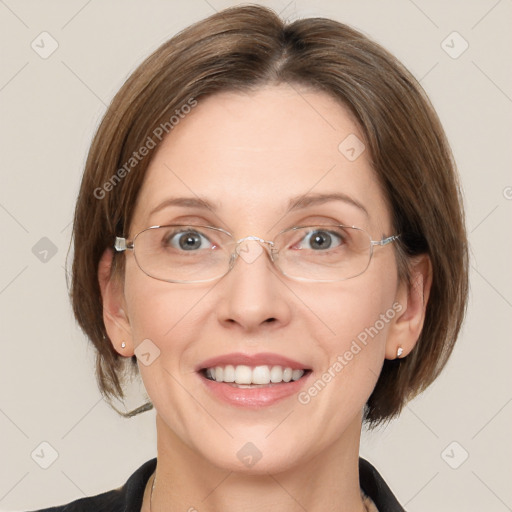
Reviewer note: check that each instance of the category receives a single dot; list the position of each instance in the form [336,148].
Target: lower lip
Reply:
[256,397]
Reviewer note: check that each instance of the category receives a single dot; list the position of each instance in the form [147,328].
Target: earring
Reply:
[399,352]
[123,345]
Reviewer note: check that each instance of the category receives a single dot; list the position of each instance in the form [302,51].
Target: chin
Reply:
[258,456]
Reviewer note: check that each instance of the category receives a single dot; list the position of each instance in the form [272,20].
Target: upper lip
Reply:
[261,359]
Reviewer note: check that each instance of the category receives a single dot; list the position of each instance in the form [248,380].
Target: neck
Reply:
[185,481]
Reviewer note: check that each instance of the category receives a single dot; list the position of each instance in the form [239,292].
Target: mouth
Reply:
[252,381]
[247,377]
[253,387]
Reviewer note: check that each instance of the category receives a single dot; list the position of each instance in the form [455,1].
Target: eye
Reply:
[321,240]
[188,240]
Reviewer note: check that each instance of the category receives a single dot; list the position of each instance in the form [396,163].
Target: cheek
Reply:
[160,311]
[357,315]
[351,311]
[167,315]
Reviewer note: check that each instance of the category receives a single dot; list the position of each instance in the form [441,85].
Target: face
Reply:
[249,155]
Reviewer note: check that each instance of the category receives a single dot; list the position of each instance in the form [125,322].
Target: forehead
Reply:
[250,153]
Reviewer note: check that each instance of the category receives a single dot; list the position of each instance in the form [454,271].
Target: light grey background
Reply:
[49,110]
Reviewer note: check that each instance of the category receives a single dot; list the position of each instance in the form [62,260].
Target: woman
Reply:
[270,230]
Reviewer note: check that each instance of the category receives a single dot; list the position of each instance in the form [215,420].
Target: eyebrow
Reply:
[306,200]
[294,204]
[188,202]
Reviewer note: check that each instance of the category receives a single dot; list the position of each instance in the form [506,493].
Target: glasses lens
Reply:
[186,254]
[183,253]
[323,253]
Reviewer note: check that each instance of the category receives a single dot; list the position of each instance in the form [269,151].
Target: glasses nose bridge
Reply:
[268,244]
[243,249]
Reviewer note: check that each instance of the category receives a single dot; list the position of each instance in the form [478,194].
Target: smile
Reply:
[243,375]
[252,381]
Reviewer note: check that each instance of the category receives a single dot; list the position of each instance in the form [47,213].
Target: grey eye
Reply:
[320,240]
[187,240]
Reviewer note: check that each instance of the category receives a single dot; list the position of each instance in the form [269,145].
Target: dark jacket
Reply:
[128,498]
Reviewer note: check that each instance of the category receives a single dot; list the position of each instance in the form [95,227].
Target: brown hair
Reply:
[243,48]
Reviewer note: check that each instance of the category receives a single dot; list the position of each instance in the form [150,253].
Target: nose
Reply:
[253,295]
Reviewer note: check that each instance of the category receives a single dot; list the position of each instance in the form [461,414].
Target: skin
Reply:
[250,153]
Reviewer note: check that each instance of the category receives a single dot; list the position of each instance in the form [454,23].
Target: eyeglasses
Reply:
[196,254]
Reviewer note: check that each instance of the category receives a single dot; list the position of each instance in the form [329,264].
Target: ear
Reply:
[115,318]
[411,302]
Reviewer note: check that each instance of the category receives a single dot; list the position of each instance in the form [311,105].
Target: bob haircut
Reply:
[241,49]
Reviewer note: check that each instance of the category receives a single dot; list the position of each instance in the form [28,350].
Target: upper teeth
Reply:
[242,374]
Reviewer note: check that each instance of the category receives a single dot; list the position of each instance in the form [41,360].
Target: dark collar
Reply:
[374,486]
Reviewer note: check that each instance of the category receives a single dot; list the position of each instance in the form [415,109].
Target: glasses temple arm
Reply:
[386,241]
